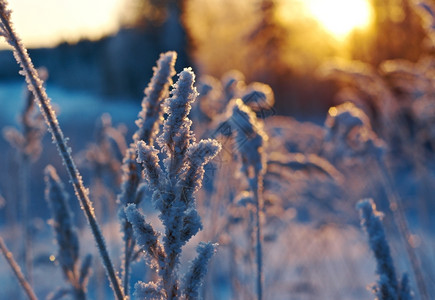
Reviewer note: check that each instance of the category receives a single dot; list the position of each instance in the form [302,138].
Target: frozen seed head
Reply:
[209,101]
[199,154]
[259,97]
[250,137]
[371,221]
[158,90]
[191,225]
[345,117]
[28,140]
[62,222]
[198,270]
[148,156]
[145,235]
[178,107]
[349,125]
[233,83]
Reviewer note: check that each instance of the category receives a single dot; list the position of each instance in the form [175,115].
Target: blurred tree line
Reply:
[271,41]
[277,42]
[117,65]
[396,32]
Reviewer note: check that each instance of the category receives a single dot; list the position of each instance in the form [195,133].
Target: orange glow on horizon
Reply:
[45,23]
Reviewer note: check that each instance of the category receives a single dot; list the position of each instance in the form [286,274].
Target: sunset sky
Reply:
[47,22]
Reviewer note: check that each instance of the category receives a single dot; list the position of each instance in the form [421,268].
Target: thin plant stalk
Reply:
[256,186]
[35,86]
[250,139]
[17,271]
[128,253]
[401,223]
[24,201]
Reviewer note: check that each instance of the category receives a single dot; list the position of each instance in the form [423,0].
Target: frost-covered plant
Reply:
[387,287]
[157,91]
[233,82]
[148,123]
[350,135]
[67,239]
[216,113]
[17,271]
[28,143]
[259,97]
[174,185]
[397,97]
[250,142]
[299,176]
[362,85]
[104,158]
[35,85]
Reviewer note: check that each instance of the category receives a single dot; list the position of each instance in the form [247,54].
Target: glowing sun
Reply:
[340,17]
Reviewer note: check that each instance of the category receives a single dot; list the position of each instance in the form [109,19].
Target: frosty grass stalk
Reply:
[346,117]
[148,122]
[17,271]
[250,139]
[66,237]
[28,142]
[174,185]
[387,287]
[35,86]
